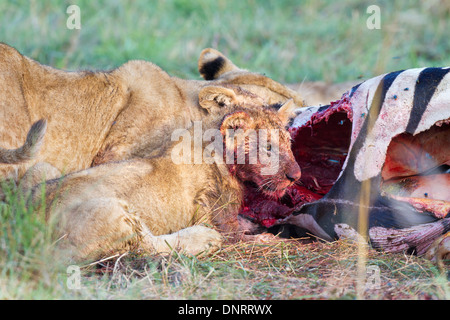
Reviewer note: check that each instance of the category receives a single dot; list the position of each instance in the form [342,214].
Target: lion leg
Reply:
[91,229]
[101,226]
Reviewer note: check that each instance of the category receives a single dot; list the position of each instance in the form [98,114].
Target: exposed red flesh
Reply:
[320,149]
[409,155]
[440,209]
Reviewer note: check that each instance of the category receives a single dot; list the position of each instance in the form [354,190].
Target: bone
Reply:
[344,231]
[419,237]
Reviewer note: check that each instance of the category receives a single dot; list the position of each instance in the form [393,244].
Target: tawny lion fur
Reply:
[98,117]
[154,204]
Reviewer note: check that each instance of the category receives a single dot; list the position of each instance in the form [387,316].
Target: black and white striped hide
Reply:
[372,155]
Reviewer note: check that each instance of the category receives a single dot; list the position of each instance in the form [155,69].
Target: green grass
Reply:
[288,40]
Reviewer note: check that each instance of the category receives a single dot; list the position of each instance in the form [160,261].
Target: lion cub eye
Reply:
[269,147]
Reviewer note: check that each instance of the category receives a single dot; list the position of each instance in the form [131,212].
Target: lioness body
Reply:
[96,117]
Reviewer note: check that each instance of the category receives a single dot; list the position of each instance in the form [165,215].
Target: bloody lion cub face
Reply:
[258,148]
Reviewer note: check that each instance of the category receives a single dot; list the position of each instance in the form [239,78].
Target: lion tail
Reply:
[30,148]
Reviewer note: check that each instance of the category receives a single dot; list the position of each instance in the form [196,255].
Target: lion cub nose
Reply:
[294,174]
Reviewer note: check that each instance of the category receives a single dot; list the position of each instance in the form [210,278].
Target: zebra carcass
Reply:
[376,161]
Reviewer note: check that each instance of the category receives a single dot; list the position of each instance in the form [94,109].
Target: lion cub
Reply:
[156,204]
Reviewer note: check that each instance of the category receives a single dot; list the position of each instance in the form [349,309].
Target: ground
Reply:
[281,270]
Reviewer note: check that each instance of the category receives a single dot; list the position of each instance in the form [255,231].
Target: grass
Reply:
[279,269]
[288,40]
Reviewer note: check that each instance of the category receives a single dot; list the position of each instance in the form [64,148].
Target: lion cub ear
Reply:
[212,64]
[235,121]
[212,97]
[287,111]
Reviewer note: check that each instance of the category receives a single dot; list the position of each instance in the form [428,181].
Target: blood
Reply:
[320,148]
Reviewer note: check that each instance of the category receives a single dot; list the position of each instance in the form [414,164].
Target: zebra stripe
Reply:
[352,91]
[395,97]
[426,85]
[386,84]
[414,100]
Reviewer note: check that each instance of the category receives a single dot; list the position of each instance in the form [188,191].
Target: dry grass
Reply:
[287,269]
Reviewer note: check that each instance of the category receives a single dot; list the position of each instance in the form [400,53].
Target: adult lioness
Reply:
[154,203]
[96,117]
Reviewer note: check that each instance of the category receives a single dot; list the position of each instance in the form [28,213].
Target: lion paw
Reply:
[199,240]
